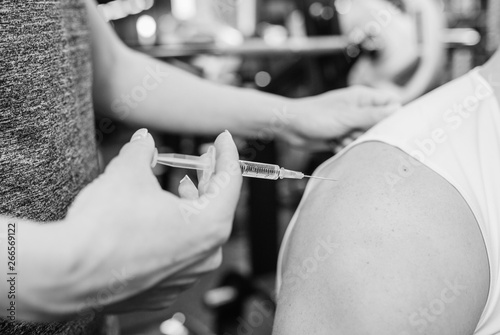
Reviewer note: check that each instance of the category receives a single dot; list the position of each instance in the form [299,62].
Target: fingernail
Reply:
[227,131]
[155,158]
[139,135]
[186,178]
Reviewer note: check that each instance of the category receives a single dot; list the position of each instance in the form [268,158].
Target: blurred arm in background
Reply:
[138,89]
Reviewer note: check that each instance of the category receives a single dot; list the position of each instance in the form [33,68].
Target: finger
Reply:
[213,262]
[138,153]
[356,133]
[337,149]
[187,189]
[227,171]
[205,175]
[366,117]
[346,141]
[385,98]
[339,144]
[377,114]
[210,263]
[379,97]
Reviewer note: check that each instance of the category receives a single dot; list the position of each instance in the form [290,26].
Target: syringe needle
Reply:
[321,178]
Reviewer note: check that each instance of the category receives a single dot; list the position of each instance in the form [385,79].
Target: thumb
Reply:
[382,98]
[138,153]
[225,183]
[382,95]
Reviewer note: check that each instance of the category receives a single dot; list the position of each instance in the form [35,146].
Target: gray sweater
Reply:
[47,137]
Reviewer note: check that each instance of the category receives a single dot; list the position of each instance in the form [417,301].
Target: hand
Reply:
[164,294]
[336,113]
[155,241]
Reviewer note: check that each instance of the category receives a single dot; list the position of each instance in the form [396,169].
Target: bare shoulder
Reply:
[392,248]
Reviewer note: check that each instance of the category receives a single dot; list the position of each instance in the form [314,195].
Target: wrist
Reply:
[261,116]
[289,119]
[280,119]
[83,277]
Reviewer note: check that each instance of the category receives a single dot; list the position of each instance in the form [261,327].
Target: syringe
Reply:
[248,169]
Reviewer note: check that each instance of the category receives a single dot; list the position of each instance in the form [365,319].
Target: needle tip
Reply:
[320,178]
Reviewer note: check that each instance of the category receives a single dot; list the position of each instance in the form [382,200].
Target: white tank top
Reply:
[455,131]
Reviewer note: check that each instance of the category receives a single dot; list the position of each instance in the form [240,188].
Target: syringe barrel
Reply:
[260,170]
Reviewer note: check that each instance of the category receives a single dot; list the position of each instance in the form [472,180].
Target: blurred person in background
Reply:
[408,36]
[118,243]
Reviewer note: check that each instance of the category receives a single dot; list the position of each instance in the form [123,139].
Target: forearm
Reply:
[37,260]
[155,94]
[138,89]
[47,267]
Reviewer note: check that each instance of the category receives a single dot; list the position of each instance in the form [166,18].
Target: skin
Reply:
[139,251]
[183,103]
[394,251]
[396,254]
[123,222]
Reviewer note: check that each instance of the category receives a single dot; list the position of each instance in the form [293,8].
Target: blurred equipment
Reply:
[409,36]
[231,300]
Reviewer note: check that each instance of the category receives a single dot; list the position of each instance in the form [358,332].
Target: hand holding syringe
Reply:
[248,169]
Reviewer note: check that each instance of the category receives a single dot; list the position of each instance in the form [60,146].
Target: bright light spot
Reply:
[262,79]
[146,26]
[184,9]
[275,35]
[327,13]
[230,36]
[221,295]
[315,9]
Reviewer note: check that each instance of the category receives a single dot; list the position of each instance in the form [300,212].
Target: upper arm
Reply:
[368,257]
